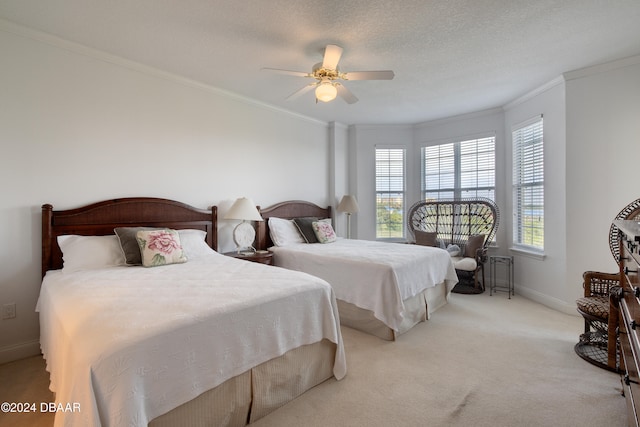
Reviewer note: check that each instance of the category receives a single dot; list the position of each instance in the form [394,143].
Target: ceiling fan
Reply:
[327,74]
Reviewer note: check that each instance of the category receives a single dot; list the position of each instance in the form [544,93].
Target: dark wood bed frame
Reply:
[101,218]
[350,315]
[286,210]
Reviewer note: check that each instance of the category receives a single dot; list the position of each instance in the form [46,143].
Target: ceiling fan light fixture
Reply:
[326,92]
[327,75]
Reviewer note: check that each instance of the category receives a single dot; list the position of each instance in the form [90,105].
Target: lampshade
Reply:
[244,209]
[348,204]
[326,91]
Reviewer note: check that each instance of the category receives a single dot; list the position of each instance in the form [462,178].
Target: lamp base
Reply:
[243,235]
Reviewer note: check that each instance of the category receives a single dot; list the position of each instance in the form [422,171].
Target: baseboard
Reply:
[546,300]
[19,351]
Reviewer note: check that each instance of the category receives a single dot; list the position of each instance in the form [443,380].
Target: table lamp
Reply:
[244,234]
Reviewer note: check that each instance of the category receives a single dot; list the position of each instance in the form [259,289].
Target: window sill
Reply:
[395,240]
[540,256]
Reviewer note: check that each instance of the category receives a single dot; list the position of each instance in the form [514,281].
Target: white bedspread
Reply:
[131,343]
[376,276]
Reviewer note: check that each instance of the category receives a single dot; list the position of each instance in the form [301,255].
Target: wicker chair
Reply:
[597,344]
[458,222]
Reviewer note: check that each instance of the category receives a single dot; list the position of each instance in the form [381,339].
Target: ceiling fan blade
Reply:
[332,54]
[287,72]
[301,91]
[369,75]
[346,94]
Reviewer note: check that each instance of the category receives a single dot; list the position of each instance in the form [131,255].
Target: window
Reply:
[528,185]
[465,169]
[390,193]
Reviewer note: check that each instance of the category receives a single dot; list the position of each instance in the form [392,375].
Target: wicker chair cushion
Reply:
[464,263]
[474,243]
[425,238]
[597,306]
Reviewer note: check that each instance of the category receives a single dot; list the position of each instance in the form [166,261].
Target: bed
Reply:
[383,289]
[210,341]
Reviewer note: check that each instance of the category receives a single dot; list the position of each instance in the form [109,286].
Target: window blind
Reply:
[528,185]
[464,169]
[390,183]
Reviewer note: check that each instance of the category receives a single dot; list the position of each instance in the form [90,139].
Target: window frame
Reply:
[457,190]
[389,192]
[535,185]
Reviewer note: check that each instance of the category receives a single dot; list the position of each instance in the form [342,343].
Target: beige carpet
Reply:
[480,361]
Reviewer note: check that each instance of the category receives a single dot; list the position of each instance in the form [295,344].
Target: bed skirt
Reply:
[417,309]
[252,395]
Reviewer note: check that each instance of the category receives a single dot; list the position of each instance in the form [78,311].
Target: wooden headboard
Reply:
[99,219]
[286,210]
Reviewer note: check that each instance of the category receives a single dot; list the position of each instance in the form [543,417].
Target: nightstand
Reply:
[259,257]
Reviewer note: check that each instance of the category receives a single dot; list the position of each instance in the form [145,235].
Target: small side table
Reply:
[507,261]
[259,257]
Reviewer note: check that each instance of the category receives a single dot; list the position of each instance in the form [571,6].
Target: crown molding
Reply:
[381,126]
[602,68]
[535,92]
[467,116]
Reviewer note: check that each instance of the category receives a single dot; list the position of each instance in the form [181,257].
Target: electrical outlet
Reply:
[9,311]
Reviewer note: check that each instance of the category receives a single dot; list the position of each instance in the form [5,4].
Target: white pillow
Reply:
[284,232]
[193,242]
[89,252]
[454,250]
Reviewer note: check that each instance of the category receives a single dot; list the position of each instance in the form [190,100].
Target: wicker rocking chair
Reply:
[470,224]
[594,346]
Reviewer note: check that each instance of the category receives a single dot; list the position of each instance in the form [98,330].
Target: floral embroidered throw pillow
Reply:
[324,231]
[160,247]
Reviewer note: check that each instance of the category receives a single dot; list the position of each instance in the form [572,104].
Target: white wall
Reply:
[338,173]
[469,126]
[78,126]
[592,136]
[543,279]
[603,160]
[363,140]
[592,143]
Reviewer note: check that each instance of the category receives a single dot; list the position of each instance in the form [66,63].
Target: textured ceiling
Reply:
[449,57]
